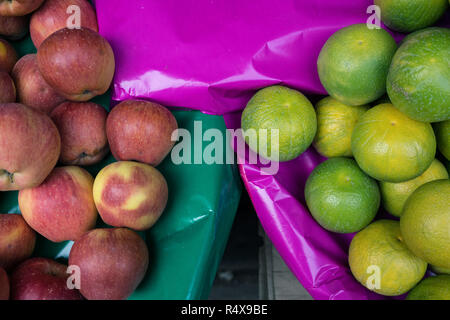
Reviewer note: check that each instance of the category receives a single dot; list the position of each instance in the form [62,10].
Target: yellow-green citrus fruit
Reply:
[335,123]
[354,62]
[283,109]
[394,195]
[442,131]
[418,82]
[341,197]
[380,260]
[439,270]
[410,15]
[431,288]
[391,147]
[425,222]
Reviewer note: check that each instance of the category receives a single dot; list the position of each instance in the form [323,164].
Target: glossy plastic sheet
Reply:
[212,56]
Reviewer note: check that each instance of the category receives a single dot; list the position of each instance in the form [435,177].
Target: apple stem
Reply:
[10,176]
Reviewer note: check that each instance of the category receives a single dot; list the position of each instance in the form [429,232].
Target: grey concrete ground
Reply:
[251,268]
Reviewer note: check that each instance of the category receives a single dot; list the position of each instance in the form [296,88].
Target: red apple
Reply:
[130,194]
[18,7]
[112,263]
[78,63]
[29,146]
[141,131]
[52,16]
[7,88]
[13,28]
[82,126]
[4,285]
[17,240]
[8,56]
[62,207]
[41,279]
[32,90]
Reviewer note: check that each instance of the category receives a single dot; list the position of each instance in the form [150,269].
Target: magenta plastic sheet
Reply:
[212,55]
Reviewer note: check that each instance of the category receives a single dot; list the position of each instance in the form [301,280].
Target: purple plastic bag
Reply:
[212,55]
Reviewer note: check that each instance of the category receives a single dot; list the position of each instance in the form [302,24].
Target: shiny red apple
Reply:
[7,88]
[62,207]
[32,90]
[8,56]
[112,263]
[4,285]
[17,240]
[82,126]
[29,146]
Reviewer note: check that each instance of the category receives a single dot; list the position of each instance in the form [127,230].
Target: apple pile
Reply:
[48,130]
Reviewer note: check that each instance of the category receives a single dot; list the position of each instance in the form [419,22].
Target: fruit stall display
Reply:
[115,206]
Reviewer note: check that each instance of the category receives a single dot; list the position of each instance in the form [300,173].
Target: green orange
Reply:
[380,260]
[391,147]
[340,196]
[354,62]
[335,123]
[425,222]
[432,288]
[394,195]
[418,82]
[283,113]
[410,15]
[442,131]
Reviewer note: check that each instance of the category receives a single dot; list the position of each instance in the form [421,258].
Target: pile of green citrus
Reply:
[381,150]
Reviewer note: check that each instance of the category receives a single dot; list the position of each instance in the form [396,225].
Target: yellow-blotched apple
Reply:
[17,240]
[29,146]
[141,131]
[82,126]
[32,90]
[52,16]
[77,63]
[61,208]
[112,263]
[130,194]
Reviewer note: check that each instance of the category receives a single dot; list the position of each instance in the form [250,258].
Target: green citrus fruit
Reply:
[410,15]
[283,109]
[391,147]
[442,131]
[425,222]
[335,123]
[431,288]
[381,261]
[418,82]
[394,195]
[340,196]
[439,270]
[354,62]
